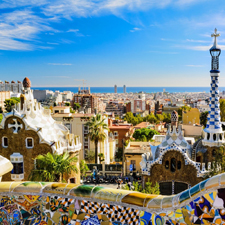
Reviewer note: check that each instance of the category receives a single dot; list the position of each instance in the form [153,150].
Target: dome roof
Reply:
[26,82]
[174,116]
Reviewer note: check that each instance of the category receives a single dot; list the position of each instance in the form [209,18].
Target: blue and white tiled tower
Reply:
[213,133]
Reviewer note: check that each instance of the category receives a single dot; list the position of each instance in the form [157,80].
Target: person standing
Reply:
[129,184]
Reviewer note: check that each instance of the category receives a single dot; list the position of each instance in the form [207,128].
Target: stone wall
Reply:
[62,203]
[16,143]
[186,173]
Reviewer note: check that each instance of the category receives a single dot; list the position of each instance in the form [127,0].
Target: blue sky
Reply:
[132,42]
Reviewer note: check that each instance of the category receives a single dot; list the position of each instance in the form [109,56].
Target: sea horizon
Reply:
[132,89]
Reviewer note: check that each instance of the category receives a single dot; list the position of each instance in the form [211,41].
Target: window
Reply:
[29,142]
[208,136]
[179,165]
[173,165]
[5,142]
[214,137]
[221,137]
[17,168]
[115,133]
[133,162]
[167,165]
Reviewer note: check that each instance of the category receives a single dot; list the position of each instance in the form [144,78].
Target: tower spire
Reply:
[213,134]
[215,35]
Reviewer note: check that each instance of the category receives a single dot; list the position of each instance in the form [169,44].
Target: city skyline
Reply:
[137,43]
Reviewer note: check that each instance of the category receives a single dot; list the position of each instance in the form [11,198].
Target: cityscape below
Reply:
[132,89]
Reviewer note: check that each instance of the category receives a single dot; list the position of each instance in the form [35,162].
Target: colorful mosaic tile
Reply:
[67,204]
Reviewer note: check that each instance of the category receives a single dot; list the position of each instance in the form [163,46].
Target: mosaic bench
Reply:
[59,203]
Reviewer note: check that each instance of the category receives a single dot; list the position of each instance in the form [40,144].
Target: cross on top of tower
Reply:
[215,35]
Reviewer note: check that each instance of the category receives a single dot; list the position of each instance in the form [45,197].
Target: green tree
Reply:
[119,154]
[101,157]
[76,106]
[90,156]
[16,99]
[151,118]
[83,168]
[71,110]
[130,118]
[97,128]
[144,134]
[222,109]
[67,103]
[203,118]
[51,167]
[1,117]
[183,108]
[218,164]
[166,117]
[150,189]
[160,117]
[10,103]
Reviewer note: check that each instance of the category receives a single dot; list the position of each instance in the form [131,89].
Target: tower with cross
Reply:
[213,133]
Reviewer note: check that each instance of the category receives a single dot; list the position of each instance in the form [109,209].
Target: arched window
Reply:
[221,137]
[167,165]
[173,165]
[214,153]
[29,142]
[214,137]
[4,142]
[208,136]
[179,165]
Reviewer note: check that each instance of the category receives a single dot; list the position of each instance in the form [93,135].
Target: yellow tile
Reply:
[5,186]
[111,194]
[24,187]
[54,188]
[135,198]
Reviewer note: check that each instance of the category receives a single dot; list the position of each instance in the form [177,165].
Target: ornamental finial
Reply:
[215,35]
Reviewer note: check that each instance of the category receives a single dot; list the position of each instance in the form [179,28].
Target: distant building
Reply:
[124,89]
[121,132]
[13,86]
[75,122]
[139,106]
[115,88]
[88,102]
[191,117]
[114,108]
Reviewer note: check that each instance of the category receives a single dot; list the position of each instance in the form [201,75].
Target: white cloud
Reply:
[195,65]
[197,41]
[20,27]
[60,64]
[164,52]
[58,76]
[76,31]
[135,29]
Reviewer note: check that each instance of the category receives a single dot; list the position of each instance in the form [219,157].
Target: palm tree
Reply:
[51,167]
[97,128]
